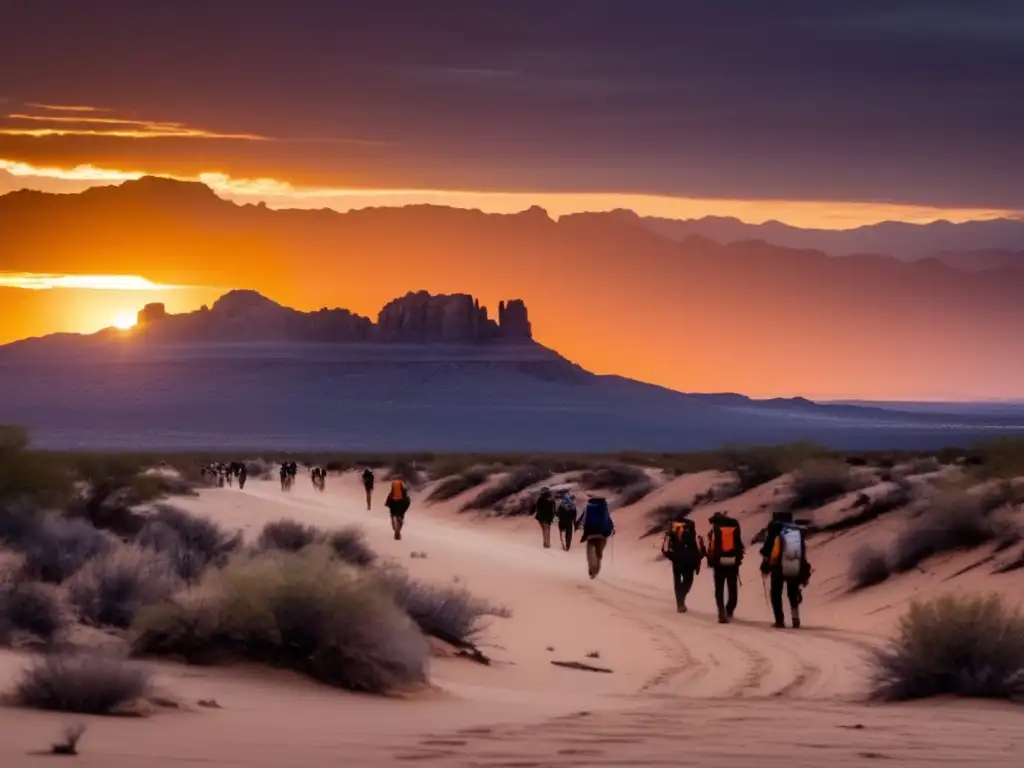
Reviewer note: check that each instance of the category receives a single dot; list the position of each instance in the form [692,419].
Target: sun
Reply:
[125,321]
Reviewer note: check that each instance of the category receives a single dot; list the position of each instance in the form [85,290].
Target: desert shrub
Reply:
[660,517]
[516,481]
[868,566]
[30,607]
[407,471]
[83,683]
[110,588]
[998,457]
[635,492]
[612,477]
[350,546]
[192,543]
[56,547]
[818,482]
[288,536]
[924,465]
[949,521]
[458,484]
[449,612]
[965,646]
[300,610]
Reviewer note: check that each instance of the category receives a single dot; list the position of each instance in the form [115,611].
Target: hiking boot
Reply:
[779,625]
[722,618]
[729,612]
[796,622]
[398,536]
[681,608]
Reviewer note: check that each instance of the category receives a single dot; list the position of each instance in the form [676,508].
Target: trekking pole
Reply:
[767,601]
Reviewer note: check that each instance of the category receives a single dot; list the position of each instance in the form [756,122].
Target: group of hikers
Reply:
[289,471]
[595,520]
[784,564]
[785,569]
[226,473]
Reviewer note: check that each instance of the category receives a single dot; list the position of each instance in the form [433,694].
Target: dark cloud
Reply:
[894,100]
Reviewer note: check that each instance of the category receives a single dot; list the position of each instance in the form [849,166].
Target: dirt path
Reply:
[684,690]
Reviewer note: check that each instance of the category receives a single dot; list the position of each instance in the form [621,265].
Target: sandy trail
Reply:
[684,689]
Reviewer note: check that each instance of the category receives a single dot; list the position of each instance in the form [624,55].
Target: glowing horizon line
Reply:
[846,215]
[64,107]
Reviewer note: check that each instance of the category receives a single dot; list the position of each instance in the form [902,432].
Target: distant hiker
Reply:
[544,511]
[288,472]
[725,555]
[784,561]
[398,505]
[598,527]
[239,470]
[319,476]
[368,485]
[685,549]
[565,509]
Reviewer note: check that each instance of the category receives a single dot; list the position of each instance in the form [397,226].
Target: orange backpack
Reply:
[397,490]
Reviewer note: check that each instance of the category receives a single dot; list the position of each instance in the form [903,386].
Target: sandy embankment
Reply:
[685,690]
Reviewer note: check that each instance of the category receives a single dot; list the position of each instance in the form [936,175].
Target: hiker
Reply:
[319,476]
[544,511]
[368,485]
[398,504]
[784,561]
[286,476]
[685,549]
[239,470]
[565,509]
[598,527]
[725,555]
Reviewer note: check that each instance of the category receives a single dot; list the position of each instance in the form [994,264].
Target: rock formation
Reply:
[418,317]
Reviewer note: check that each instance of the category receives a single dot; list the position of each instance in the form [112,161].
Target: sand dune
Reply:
[684,690]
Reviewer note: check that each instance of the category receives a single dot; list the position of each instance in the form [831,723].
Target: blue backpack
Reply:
[597,518]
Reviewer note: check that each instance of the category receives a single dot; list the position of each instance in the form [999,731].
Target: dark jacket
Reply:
[685,553]
[367,478]
[771,563]
[544,508]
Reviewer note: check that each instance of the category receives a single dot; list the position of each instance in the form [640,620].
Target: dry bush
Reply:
[635,492]
[868,566]
[56,547]
[29,607]
[964,646]
[612,477]
[110,589]
[350,546]
[818,482]
[949,521]
[458,484]
[660,517]
[925,465]
[302,611]
[449,612]
[87,684]
[516,481]
[190,542]
[287,536]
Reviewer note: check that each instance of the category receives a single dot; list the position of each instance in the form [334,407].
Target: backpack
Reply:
[566,505]
[791,551]
[597,518]
[397,490]
[682,535]
[725,544]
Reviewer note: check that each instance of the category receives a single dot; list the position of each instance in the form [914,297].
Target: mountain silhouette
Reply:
[603,289]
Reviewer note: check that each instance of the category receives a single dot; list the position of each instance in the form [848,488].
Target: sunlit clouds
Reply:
[82,121]
[41,281]
[278,193]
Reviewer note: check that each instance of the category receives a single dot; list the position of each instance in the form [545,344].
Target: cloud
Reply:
[43,281]
[64,107]
[82,123]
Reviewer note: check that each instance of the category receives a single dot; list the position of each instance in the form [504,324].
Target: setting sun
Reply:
[124,321]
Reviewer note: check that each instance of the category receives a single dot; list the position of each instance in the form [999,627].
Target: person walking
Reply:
[784,562]
[398,504]
[565,509]
[544,511]
[725,556]
[598,527]
[685,549]
[368,486]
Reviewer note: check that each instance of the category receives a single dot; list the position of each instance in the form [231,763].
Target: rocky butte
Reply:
[420,317]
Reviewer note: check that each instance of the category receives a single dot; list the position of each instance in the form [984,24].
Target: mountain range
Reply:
[694,314]
[432,373]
